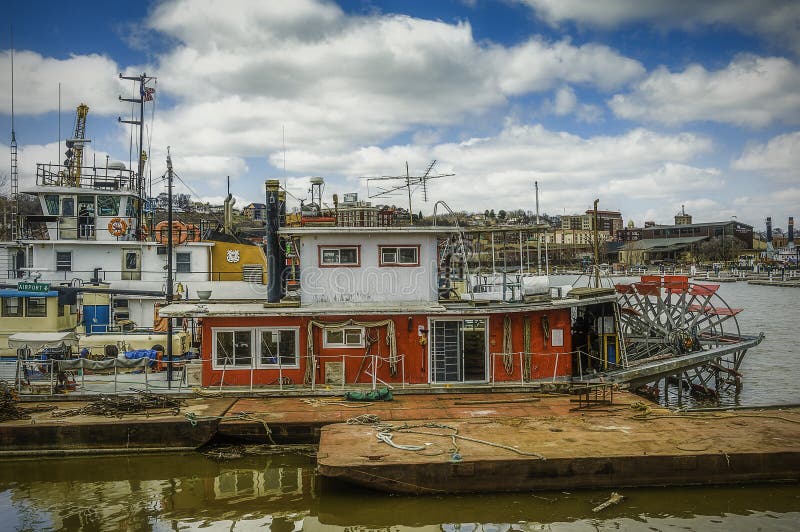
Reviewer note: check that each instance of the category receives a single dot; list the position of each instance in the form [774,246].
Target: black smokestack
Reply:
[274,288]
[791,229]
[769,229]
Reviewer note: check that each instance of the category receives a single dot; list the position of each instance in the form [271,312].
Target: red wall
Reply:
[408,344]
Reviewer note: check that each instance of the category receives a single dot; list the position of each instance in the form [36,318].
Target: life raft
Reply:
[117,227]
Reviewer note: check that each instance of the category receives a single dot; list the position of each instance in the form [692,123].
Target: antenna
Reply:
[13,147]
[407,182]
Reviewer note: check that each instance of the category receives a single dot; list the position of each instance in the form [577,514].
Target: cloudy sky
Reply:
[645,104]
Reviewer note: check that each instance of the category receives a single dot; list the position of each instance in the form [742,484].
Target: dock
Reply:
[455,442]
[554,446]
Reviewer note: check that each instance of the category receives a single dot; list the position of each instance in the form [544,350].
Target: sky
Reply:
[645,105]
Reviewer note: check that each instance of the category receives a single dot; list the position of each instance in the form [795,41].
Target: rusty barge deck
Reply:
[562,448]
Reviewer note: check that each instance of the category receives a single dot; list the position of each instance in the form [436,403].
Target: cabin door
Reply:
[131,264]
[458,351]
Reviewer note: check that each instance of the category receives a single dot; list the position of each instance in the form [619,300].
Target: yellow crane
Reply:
[75,146]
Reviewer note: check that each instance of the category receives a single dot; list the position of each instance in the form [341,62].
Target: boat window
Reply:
[63,261]
[233,349]
[339,256]
[345,337]
[36,307]
[279,347]
[399,255]
[130,207]
[51,201]
[68,206]
[183,262]
[131,260]
[12,307]
[107,205]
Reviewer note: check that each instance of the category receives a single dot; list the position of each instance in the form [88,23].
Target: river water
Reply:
[283,493]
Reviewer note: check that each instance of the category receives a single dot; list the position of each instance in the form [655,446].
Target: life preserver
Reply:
[117,227]
[179,233]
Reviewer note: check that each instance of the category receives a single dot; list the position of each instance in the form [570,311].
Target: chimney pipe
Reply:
[274,267]
[790,243]
[769,229]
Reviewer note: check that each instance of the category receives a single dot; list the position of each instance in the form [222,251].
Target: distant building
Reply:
[682,218]
[607,221]
[255,211]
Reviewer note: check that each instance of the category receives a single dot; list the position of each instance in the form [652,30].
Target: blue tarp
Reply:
[141,353]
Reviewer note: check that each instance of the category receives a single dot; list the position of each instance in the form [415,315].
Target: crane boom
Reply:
[75,145]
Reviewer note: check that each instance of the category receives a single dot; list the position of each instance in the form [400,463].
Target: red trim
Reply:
[396,264]
[320,247]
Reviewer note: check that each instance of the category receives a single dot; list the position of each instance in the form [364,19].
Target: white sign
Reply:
[557,337]
[232,255]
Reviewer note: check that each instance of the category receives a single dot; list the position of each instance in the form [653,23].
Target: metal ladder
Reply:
[14,189]
[623,350]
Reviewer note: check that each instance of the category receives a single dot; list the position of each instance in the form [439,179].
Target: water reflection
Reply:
[283,494]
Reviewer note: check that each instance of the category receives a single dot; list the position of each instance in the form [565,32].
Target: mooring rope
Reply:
[526,347]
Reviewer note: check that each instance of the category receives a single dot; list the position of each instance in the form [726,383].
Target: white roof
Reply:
[36,341]
[338,230]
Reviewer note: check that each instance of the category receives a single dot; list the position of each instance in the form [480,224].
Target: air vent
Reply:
[253,273]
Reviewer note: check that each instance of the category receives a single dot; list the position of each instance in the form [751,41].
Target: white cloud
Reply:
[499,171]
[751,91]
[775,20]
[778,159]
[565,101]
[334,81]
[92,79]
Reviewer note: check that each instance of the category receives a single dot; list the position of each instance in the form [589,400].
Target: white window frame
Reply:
[59,265]
[338,249]
[215,366]
[344,344]
[270,330]
[396,262]
[187,262]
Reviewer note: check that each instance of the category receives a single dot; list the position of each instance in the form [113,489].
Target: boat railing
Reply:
[91,177]
[522,362]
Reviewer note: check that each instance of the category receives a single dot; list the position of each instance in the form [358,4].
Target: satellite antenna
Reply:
[407,182]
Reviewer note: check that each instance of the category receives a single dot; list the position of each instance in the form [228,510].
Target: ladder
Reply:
[623,350]
[14,189]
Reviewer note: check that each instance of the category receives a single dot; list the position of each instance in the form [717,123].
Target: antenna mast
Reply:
[14,167]
[407,181]
[145,95]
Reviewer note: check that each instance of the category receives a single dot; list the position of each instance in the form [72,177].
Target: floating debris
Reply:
[223,453]
[615,498]
[119,405]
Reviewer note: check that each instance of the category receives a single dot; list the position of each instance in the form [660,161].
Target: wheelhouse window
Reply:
[279,347]
[346,337]
[183,262]
[68,207]
[107,205]
[339,256]
[399,255]
[51,201]
[63,261]
[12,307]
[233,348]
[36,307]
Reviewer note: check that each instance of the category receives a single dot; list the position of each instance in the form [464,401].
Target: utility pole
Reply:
[538,236]
[596,248]
[169,267]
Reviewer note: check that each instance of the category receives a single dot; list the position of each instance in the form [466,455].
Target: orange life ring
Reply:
[179,232]
[117,227]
